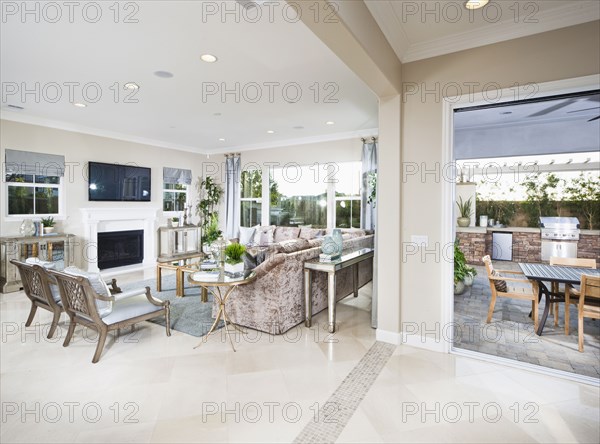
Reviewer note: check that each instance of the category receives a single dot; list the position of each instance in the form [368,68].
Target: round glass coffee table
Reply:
[213,282]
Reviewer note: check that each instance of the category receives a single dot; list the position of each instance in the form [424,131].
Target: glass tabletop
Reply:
[219,277]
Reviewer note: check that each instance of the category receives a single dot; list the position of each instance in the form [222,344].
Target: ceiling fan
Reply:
[560,105]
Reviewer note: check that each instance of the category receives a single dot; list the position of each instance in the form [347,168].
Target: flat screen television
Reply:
[113,182]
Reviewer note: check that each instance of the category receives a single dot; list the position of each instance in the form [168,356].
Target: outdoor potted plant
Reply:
[470,274]
[465,211]
[460,265]
[233,262]
[48,223]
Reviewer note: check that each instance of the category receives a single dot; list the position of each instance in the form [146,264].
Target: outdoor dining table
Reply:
[553,273]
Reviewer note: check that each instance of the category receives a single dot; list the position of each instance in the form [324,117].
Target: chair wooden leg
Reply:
[567,309]
[101,340]
[580,331]
[54,324]
[70,332]
[534,309]
[31,315]
[491,309]
[555,306]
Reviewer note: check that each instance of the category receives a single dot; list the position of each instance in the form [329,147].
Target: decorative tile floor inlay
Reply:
[341,405]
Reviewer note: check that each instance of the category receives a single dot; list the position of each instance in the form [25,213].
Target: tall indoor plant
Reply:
[209,195]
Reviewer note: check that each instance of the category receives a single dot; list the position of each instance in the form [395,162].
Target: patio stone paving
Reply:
[510,333]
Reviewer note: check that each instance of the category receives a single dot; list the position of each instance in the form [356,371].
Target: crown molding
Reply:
[568,15]
[66,126]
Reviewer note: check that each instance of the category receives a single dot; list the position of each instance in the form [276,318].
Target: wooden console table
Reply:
[331,268]
[48,248]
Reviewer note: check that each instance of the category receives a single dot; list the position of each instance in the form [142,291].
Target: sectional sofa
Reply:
[274,302]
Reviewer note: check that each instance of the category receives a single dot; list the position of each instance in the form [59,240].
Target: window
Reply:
[251,197]
[176,183]
[347,195]
[174,196]
[33,194]
[297,198]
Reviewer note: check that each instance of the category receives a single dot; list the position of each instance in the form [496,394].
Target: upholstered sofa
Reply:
[274,302]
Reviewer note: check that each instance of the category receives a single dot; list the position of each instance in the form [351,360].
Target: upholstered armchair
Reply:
[88,303]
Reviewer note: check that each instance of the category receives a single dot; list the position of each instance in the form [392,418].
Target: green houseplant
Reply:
[460,269]
[209,195]
[233,261]
[465,211]
[48,223]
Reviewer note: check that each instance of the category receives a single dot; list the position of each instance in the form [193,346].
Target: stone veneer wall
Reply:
[589,247]
[474,246]
[527,247]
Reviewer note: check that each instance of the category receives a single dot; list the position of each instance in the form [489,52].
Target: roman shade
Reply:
[177,176]
[26,162]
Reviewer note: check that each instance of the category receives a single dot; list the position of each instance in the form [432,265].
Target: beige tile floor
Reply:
[150,388]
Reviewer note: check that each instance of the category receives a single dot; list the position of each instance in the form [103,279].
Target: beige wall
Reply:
[79,149]
[561,54]
[346,150]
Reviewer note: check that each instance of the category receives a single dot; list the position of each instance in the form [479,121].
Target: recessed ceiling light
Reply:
[163,74]
[270,132]
[298,127]
[330,123]
[79,105]
[505,113]
[131,85]
[17,107]
[217,114]
[476,4]
[208,58]
[221,140]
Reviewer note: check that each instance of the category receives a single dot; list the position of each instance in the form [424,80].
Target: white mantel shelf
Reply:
[103,220]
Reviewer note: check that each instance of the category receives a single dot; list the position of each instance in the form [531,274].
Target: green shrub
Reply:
[234,253]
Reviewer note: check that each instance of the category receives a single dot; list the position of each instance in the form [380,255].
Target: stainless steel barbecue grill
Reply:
[559,236]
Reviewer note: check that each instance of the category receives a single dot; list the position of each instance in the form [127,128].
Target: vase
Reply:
[463,221]
[329,246]
[338,239]
[48,230]
[468,280]
[459,287]
[234,268]
[27,228]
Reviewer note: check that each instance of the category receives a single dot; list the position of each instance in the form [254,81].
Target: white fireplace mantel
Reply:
[103,220]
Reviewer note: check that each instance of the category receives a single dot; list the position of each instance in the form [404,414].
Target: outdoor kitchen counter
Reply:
[476,242]
[484,230]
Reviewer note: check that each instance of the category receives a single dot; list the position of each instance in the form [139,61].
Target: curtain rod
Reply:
[373,139]
[232,155]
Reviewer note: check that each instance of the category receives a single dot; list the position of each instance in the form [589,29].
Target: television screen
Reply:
[112,182]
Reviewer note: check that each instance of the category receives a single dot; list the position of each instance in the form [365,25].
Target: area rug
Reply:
[188,314]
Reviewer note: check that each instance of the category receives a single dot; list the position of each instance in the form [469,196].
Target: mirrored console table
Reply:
[178,243]
[55,248]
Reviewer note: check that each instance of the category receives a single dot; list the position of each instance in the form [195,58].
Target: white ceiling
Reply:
[563,125]
[171,35]
[422,29]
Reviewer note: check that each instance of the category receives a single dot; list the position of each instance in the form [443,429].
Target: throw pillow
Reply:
[309,233]
[253,261]
[286,233]
[99,286]
[500,285]
[264,236]
[247,236]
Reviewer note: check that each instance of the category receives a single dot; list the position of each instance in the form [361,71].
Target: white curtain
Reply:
[233,167]
[368,215]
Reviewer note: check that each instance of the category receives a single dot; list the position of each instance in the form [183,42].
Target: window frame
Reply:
[174,213]
[61,215]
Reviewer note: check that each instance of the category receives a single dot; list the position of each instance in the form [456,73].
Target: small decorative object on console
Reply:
[27,228]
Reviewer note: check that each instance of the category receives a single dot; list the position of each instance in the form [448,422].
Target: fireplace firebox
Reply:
[120,248]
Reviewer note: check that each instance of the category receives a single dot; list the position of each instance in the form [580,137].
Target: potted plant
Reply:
[175,221]
[233,261]
[460,265]
[470,274]
[209,195]
[465,211]
[48,223]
